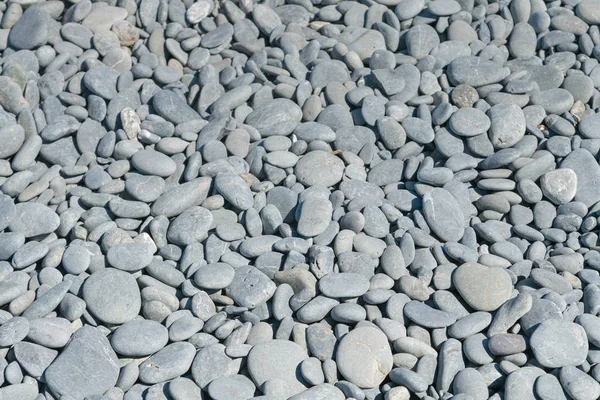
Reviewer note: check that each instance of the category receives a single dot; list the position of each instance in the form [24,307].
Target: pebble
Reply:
[469,122]
[277,359]
[507,125]
[557,343]
[250,287]
[112,295]
[50,332]
[483,288]
[443,214]
[578,384]
[86,367]
[150,162]
[168,363]
[31,29]
[474,71]
[364,357]
[559,186]
[276,117]
[139,338]
[33,219]
[13,331]
[234,189]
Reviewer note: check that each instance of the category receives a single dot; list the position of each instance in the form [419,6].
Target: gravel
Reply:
[299,200]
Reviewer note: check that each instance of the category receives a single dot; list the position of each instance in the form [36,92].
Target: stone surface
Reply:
[557,343]
[483,288]
[86,367]
[364,357]
[277,359]
[112,295]
[443,214]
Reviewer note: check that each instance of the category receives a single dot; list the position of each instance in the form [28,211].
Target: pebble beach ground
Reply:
[304,200]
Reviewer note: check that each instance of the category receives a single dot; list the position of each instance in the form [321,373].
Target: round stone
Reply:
[364,357]
[469,122]
[139,338]
[277,117]
[558,343]
[113,296]
[278,359]
[190,226]
[214,276]
[199,10]
[132,256]
[87,367]
[234,189]
[346,284]
[12,138]
[319,168]
[236,387]
[169,363]
[250,287]
[589,11]
[34,219]
[151,162]
[31,30]
[483,288]
[560,185]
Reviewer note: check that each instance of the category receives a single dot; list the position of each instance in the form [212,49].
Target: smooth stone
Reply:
[173,108]
[50,332]
[33,358]
[364,357]
[443,214]
[151,162]
[214,276]
[181,197]
[507,125]
[469,122]
[131,257]
[560,185]
[234,189]
[113,296]
[102,19]
[319,168]
[12,138]
[587,170]
[557,343]
[579,385]
[8,212]
[101,81]
[87,366]
[190,226]
[34,219]
[168,363]
[31,30]
[276,117]
[235,387]
[13,331]
[139,338]
[475,71]
[324,391]
[483,288]
[426,316]
[211,363]
[250,287]
[277,359]
[346,284]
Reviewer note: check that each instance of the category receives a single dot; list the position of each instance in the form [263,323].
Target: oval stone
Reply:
[113,296]
[364,357]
